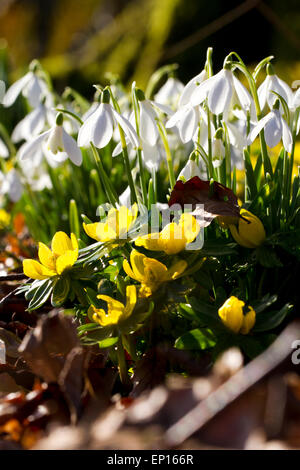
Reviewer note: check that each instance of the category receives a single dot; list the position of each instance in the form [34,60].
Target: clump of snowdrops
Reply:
[173,212]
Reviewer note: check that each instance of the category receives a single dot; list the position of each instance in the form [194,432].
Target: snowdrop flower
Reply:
[31,125]
[170,92]
[273,84]
[4,152]
[190,87]
[60,145]
[31,86]
[186,119]
[11,185]
[99,126]
[149,114]
[219,91]
[218,149]
[275,129]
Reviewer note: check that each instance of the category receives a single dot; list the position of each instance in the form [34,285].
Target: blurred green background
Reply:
[78,41]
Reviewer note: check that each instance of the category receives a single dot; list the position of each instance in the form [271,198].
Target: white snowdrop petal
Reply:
[190,87]
[273,131]
[202,90]
[162,107]
[14,90]
[4,153]
[33,91]
[71,148]
[176,117]
[190,170]
[104,126]
[117,150]
[242,93]
[127,128]
[262,92]
[188,125]
[86,130]
[148,127]
[287,138]
[151,156]
[15,187]
[31,125]
[258,128]
[220,94]
[296,99]
[28,149]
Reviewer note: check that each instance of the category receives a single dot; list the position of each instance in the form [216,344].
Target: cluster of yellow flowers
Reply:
[248,231]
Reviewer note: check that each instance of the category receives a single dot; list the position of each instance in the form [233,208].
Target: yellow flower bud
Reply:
[249,232]
[233,317]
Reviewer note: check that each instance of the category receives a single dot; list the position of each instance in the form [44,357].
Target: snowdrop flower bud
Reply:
[190,170]
[218,148]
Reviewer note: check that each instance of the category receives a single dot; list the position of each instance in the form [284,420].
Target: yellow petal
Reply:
[46,256]
[150,242]
[128,270]
[74,242]
[66,261]
[36,270]
[130,301]
[112,304]
[137,264]
[191,227]
[248,321]
[155,272]
[231,313]
[172,239]
[240,240]
[61,243]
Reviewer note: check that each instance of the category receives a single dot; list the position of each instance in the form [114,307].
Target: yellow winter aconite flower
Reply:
[150,272]
[116,311]
[249,231]
[233,317]
[4,218]
[63,254]
[116,226]
[173,238]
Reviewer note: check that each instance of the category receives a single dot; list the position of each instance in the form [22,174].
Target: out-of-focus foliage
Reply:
[80,41]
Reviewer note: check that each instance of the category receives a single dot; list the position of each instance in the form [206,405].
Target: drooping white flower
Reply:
[31,125]
[149,115]
[170,92]
[186,119]
[272,83]
[275,129]
[219,91]
[98,128]
[31,86]
[190,87]
[11,185]
[60,145]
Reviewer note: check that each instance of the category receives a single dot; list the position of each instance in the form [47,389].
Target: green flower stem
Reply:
[252,85]
[210,156]
[142,176]
[139,151]
[163,135]
[123,371]
[127,166]
[124,152]
[110,193]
